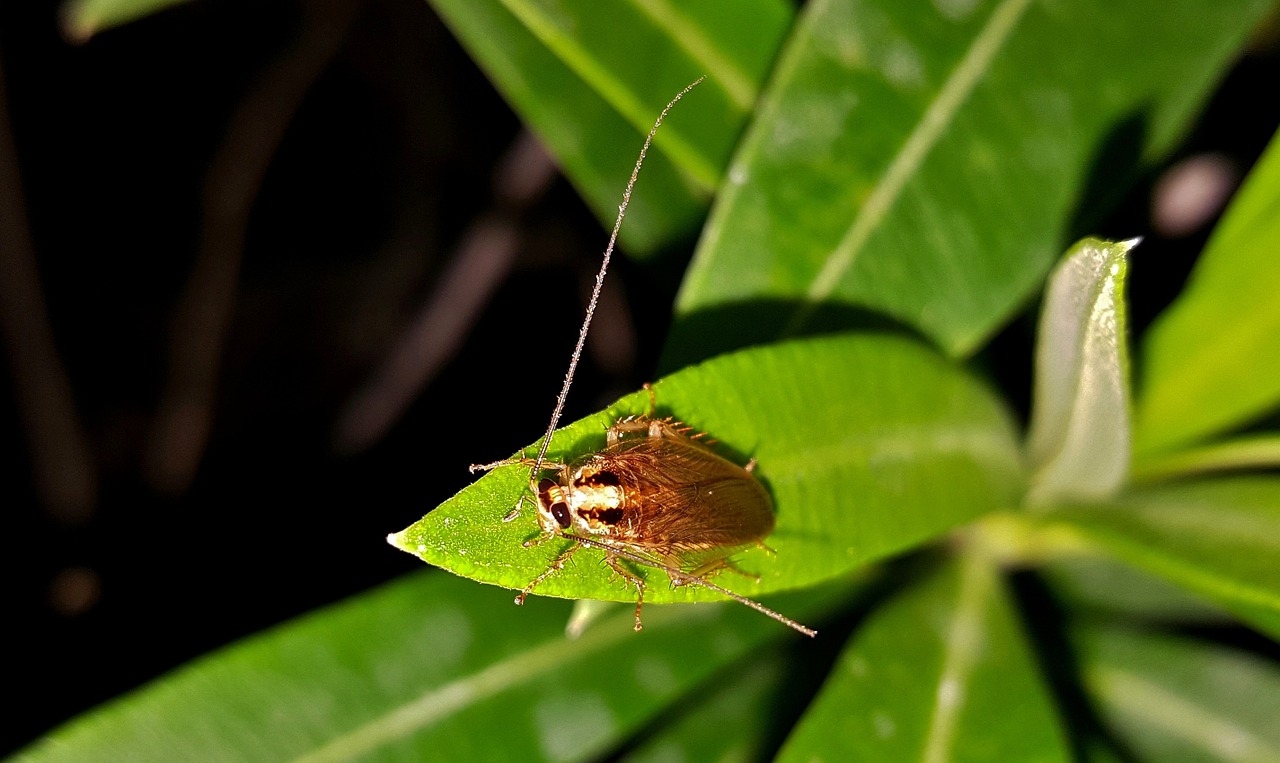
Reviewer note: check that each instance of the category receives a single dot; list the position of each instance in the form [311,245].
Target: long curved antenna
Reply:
[595,294]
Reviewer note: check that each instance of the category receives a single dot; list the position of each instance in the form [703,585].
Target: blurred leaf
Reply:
[1079,437]
[1102,585]
[929,161]
[870,444]
[82,19]
[759,698]
[1211,361]
[940,673]
[1257,451]
[1219,538]
[411,671]
[743,698]
[591,77]
[1174,699]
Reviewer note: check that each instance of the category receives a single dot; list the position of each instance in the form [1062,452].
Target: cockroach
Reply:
[656,495]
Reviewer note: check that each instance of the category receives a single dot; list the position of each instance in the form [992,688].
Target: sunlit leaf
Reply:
[1079,439]
[1212,361]
[869,444]
[929,161]
[940,673]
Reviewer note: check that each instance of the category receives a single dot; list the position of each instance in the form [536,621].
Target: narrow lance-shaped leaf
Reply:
[1219,538]
[1212,360]
[869,444]
[429,668]
[941,673]
[1097,584]
[743,698]
[929,161]
[1171,698]
[1079,440]
[757,697]
[590,78]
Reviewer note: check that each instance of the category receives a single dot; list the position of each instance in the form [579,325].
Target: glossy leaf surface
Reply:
[869,444]
[928,161]
[1080,440]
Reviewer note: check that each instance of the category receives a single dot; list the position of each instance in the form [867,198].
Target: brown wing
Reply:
[682,497]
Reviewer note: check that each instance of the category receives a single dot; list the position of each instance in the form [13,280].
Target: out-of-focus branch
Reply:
[481,263]
[62,463]
[184,418]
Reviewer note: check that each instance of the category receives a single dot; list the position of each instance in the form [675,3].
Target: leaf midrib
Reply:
[940,112]
[1179,717]
[407,718]
[613,91]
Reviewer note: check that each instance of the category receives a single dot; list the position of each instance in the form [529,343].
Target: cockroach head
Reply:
[553,507]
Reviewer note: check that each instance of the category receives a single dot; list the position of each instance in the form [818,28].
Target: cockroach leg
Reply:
[612,560]
[553,568]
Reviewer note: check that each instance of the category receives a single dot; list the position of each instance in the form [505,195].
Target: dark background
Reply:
[389,143]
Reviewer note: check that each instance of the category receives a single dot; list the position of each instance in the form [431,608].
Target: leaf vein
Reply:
[928,130]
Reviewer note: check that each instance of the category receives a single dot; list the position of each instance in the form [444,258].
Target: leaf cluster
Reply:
[920,168]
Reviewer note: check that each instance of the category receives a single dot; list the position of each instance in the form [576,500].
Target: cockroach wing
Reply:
[682,497]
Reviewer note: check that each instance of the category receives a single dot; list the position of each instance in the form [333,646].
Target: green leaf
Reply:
[1101,585]
[870,444]
[940,673]
[928,161]
[742,698]
[82,19]
[1257,451]
[591,77]
[414,671]
[1079,437]
[1177,699]
[1219,538]
[1211,361]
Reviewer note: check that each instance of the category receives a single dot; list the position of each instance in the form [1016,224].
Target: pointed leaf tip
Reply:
[1079,440]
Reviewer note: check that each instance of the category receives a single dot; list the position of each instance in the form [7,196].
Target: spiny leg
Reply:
[556,566]
[612,560]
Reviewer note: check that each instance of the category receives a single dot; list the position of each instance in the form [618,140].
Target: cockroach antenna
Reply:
[656,495]
[591,304]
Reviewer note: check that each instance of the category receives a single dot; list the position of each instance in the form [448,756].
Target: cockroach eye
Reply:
[561,514]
